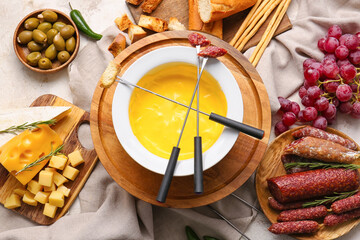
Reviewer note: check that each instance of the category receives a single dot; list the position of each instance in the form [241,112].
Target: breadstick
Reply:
[260,48]
[256,24]
[245,23]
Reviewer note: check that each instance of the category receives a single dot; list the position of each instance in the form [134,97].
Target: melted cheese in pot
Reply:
[157,122]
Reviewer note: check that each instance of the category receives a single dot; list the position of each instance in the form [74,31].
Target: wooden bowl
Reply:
[271,166]
[22,51]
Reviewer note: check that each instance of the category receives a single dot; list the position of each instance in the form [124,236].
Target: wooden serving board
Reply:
[219,181]
[180,10]
[271,166]
[67,128]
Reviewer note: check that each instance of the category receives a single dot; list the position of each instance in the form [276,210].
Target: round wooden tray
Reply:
[219,181]
[272,166]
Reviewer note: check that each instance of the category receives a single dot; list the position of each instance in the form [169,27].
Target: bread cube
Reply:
[117,45]
[175,25]
[46,178]
[19,191]
[135,33]
[75,158]
[28,198]
[57,162]
[12,201]
[49,210]
[42,197]
[51,188]
[123,22]
[59,179]
[70,173]
[34,187]
[153,23]
[56,198]
[64,190]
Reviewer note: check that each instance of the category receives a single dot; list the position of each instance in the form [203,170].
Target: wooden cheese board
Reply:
[219,181]
[180,10]
[67,128]
[272,166]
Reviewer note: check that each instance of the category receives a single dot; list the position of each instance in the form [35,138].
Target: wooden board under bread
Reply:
[271,166]
[67,128]
[180,10]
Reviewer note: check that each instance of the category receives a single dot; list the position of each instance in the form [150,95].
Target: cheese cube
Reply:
[19,191]
[62,156]
[50,169]
[57,162]
[70,173]
[51,188]
[64,190]
[75,158]
[28,198]
[56,198]
[49,210]
[46,178]
[34,187]
[13,201]
[59,179]
[42,197]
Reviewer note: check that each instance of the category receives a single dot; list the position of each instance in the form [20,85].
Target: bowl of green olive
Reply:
[46,40]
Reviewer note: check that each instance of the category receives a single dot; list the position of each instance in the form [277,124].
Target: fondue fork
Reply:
[249,130]
[169,173]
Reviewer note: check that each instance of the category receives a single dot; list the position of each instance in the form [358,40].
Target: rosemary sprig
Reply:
[331,199]
[26,125]
[313,165]
[35,163]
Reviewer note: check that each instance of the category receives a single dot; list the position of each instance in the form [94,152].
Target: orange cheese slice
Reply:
[26,148]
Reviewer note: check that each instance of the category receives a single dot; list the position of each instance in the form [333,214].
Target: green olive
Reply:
[48,15]
[45,63]
[24,37]
[50,35]
[31,23]
[34,46]
[59,25]
[59,42]
[51,52]
[70,44]
[44,27]
[67,31]
[33,58]
[39,36]
[63,56]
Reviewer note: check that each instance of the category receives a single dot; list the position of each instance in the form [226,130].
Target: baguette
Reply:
[134,2]
[135,33]
[175,25]
[153,23]
[123,22]
[149,6]
[117,45]
[212,10]
[109,75]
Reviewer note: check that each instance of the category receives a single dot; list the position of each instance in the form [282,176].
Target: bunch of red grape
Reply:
[330,85]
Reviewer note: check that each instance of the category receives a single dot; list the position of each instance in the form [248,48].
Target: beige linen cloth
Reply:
[104,210]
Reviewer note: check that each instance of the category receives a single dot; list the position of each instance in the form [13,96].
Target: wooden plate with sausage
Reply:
[272,166]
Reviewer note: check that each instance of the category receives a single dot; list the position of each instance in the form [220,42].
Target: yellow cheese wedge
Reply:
[13,201]
[26,148]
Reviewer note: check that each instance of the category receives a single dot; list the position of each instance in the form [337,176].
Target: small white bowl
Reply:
[121,100]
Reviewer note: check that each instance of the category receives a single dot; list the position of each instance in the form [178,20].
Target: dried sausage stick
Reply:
[326,151]
[318,133]
[303,214]
[334,219]
[284,206]
[294,227]
[311,184]
[346,204]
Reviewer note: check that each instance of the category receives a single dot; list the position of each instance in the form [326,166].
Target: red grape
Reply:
[354,87]
[307,84]
[311,75]
[321,44]
[330,112]
[345,107]
[351,42]
[331,87]
[302,92]
[343,39]
[285,104]
[354,57]
[331,70]
[320,122]
[280,127]
[321,104]
[318,66]
[313,92]
[310,114]
[308,62]
[336,102]
[295,108]
[344,92]
[347,72]
[355,111]
[288,118]
[335,31]
[341,52]
[342,62]
[301,116]
[307,102]
[331,44]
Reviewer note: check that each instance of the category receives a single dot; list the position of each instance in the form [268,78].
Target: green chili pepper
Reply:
[190,234]
[82,25]
[209,238]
